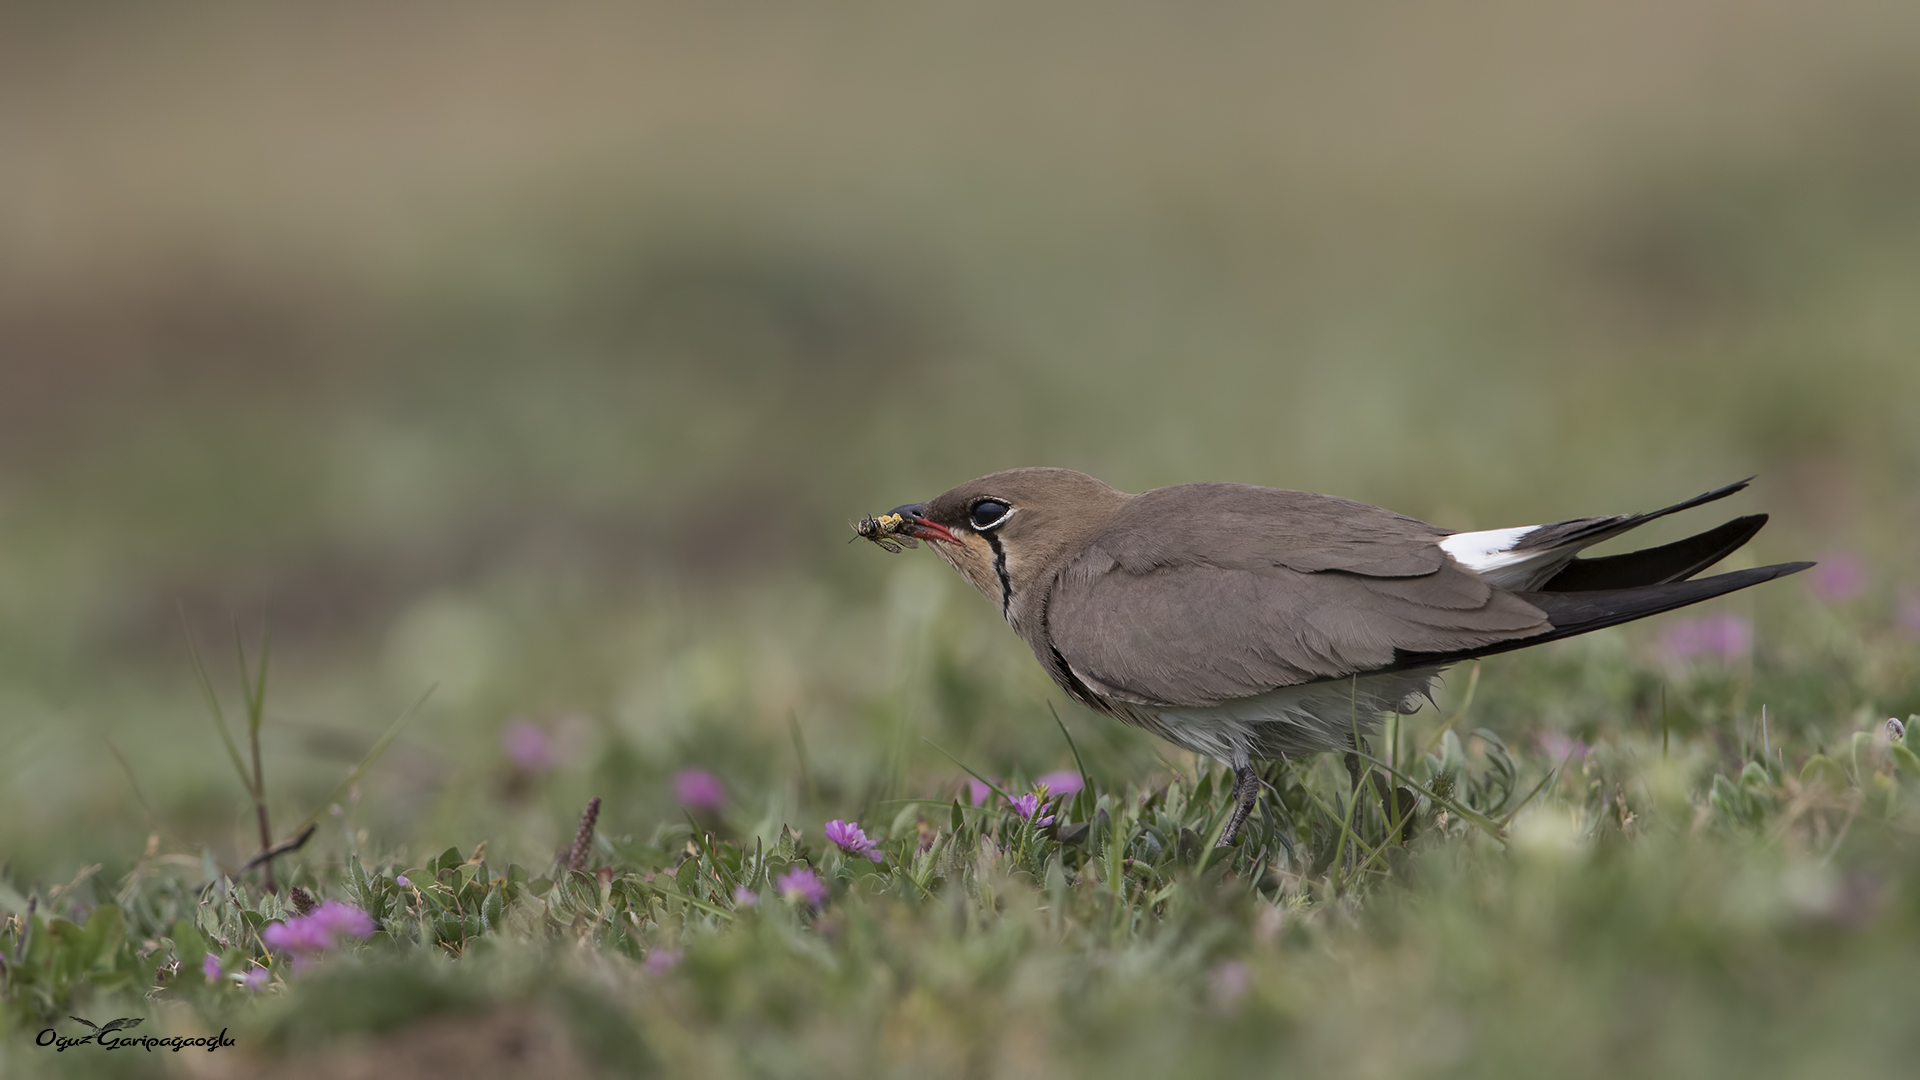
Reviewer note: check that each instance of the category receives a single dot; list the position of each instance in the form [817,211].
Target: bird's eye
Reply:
[987,513]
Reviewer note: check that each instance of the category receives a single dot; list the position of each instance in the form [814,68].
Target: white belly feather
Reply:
[1293,720]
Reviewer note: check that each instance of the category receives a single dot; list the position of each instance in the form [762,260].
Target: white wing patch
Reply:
[1489,550]
[1491,555]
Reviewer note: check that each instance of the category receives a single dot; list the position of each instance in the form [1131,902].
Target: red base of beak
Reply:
[922,529]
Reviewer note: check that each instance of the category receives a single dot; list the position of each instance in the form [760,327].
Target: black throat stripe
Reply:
[1000,569]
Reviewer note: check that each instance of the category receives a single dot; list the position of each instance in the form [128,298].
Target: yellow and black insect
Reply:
[885,531]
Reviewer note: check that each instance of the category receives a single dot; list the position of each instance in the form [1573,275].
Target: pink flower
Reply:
[319,931]
[342,920]
[528,747]
[1228,982]
[801,884]
[1728,637]
[1838,578]
[1061,782]
[255,980]
[661,961]
[698,789]
[401,880]
[210,967]
[745,897]
[977,792]
[297,935]
[1027,805]
[1560,748]
[851,838]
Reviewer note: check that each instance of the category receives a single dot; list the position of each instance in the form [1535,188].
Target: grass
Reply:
[540,357]
[1731,899]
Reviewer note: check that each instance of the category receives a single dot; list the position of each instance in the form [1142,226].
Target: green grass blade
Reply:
[1346,833]
[373,755]
[154,824]
[811,792]
[1472,817]
[1473,683]
[213,706]
[995,788]
[1213,839]
[253,692]
[256,688]
[1537,789]
[1085,777]
[710,909]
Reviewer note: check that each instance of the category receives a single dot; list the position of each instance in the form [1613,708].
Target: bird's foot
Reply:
[1246,792]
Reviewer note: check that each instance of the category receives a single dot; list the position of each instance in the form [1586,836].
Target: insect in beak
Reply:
[900,527]
[888,531]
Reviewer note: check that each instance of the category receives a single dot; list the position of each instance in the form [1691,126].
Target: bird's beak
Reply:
[920,528]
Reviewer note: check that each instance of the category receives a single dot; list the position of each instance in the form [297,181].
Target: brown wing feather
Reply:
[1224,591]
[1245,527]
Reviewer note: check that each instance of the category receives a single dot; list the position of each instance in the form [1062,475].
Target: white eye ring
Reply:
[979,526]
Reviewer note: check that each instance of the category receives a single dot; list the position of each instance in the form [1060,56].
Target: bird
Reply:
[1249,623]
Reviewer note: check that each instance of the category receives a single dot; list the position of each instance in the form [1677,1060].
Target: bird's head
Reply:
[1008,531]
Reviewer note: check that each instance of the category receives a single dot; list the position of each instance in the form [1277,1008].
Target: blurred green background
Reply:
[542,356]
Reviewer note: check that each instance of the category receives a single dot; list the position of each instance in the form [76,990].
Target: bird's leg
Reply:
[1246,792]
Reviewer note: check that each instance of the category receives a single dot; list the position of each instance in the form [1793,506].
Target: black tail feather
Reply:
[1573,613]
[1580,612]
[1589,531]
[1677,561]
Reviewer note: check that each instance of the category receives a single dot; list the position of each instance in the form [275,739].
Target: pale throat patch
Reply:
[974,560]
